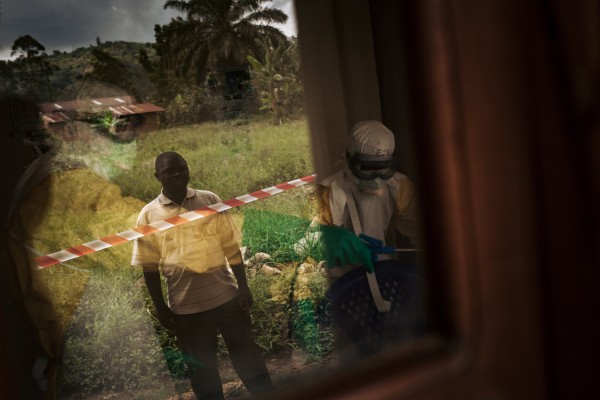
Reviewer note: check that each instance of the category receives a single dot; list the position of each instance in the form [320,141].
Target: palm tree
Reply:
[218,33]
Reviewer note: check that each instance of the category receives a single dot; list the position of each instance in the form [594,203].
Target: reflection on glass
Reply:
[233,110]
[368,217]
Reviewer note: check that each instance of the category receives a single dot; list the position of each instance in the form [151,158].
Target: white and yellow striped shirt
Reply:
[193,256]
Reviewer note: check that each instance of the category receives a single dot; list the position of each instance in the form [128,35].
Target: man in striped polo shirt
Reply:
[206,282]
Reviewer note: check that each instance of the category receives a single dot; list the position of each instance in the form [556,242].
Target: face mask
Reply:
[372,186]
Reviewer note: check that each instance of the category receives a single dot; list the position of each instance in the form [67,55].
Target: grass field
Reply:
[112,342]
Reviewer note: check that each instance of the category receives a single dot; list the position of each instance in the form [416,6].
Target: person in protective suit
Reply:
[383,198]
[367,215]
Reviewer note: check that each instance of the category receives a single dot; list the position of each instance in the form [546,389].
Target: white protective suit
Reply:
[386,208]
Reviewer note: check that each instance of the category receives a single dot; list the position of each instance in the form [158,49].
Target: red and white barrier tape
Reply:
[145,230]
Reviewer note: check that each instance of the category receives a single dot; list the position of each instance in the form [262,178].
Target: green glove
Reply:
[344,247]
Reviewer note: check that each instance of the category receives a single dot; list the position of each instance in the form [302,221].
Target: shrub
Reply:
[267,315]
[191,106]
[292,310]
[308,309]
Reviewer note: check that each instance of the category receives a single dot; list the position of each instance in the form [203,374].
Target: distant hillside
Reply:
[68,80]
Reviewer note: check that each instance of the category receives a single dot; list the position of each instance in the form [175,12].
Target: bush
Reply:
[291,310]
[304,292]
[298,295]
[192,105]
[267,315]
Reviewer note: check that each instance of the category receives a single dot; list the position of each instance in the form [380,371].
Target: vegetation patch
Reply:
[112,342]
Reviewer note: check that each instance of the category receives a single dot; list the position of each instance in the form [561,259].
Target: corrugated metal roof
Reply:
[55,117]
[61,111]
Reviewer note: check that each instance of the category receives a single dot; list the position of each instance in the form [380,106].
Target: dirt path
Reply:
[285,367]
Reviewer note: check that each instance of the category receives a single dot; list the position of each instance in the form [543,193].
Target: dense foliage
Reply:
[219,60]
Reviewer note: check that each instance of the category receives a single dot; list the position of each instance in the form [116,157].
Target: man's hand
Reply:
[344,247]
[244,298]
[167,319]
[163,313]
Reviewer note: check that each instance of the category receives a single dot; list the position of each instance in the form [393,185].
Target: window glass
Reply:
[95,94]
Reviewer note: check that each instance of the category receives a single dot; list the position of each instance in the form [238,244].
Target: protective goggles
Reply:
[368,167]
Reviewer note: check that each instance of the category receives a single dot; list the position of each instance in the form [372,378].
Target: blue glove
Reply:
[376,246]
[344,247]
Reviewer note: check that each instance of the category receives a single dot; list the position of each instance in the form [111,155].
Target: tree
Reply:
[33,68]
[108,69]
[7,78]
[217,33]
[277,79]
[26,47]
[144,60]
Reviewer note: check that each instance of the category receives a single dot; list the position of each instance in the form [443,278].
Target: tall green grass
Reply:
[227,158]
[111,342]
[278,235]
[102,302]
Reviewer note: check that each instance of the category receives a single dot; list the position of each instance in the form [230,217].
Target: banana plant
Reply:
[107,122]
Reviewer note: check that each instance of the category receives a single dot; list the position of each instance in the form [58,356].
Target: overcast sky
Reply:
[68,24]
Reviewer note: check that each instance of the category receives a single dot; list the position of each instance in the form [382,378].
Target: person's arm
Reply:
[406,213]
[244,295]
[236,262]
[341,246]
[163,312]
[324,210]
[230,242]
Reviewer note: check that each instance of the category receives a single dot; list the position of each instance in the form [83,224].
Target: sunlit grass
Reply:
[228,158]
[83,204]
